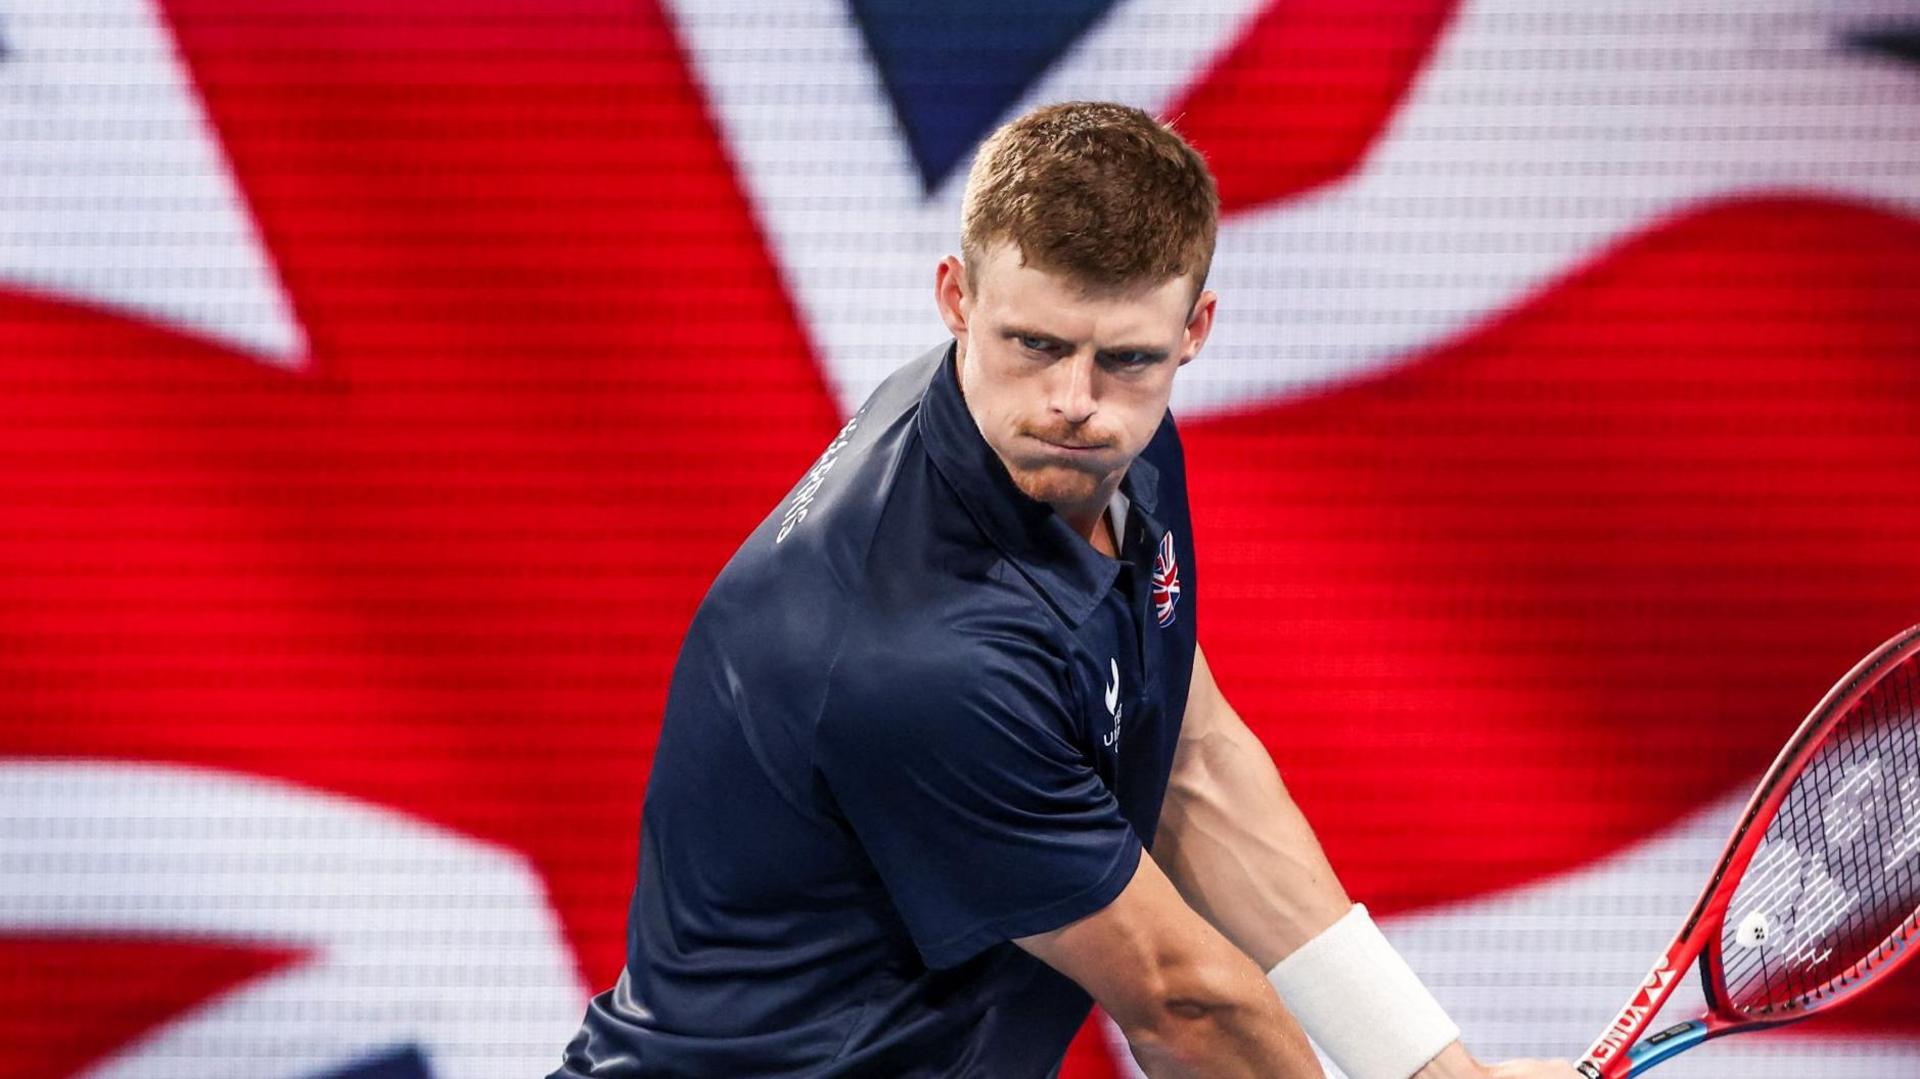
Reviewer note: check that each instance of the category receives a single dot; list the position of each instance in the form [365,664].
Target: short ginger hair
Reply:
[1099,192]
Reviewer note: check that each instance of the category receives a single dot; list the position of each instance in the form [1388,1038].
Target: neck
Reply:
[1090,521]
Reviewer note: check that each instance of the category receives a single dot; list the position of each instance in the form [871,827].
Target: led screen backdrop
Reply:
[384,382]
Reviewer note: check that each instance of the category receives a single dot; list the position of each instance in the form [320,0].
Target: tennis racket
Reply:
[1818,894]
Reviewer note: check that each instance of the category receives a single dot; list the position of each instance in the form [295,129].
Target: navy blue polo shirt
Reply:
[915,717]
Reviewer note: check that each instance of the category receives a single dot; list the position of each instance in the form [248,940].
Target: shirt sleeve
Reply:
[963,783]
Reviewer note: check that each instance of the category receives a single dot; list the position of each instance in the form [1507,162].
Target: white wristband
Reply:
[1361,1003]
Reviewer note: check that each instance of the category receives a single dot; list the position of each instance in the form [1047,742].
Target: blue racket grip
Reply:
[1670,1042]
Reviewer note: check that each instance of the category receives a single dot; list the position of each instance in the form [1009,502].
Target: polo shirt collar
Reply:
[1062,564]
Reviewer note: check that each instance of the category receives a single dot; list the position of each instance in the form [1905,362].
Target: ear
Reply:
[950,295]
[1199,325]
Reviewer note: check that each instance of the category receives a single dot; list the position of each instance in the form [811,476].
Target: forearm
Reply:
[1244,856]
[1236,1029]
[1240,851]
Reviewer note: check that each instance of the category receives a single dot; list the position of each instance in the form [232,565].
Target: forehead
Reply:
[1013,294]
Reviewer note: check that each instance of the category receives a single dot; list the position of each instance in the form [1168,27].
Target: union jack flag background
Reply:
[385,380]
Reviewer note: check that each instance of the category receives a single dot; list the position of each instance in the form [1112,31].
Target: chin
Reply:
[1055,485]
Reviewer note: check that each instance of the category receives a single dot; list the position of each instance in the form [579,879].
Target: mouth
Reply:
[1082,449]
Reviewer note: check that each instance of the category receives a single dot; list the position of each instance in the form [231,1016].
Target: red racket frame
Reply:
[1608,1058]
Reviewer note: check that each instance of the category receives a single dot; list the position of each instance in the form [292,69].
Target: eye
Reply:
[1036,344]
[1129,360]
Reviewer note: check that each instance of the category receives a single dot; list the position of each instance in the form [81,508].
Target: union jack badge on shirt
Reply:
[1166,581]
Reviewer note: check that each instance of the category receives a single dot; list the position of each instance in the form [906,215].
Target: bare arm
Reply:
[1232,840]
[1244,857]
[1189,1002]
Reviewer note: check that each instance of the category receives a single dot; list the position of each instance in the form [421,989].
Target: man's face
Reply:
[1066,386]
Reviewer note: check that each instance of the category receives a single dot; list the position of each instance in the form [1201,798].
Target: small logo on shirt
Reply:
[1112,739]
[1166,581]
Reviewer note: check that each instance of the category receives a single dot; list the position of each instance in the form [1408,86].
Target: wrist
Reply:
[1364,1006]
[1453,1062]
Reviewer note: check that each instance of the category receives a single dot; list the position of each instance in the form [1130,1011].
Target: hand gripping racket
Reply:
[1818,894]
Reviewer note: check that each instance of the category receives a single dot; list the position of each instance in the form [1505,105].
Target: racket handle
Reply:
[1655,1048]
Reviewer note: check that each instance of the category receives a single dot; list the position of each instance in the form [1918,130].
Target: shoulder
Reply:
[847,486]
[811,550]
[992,669]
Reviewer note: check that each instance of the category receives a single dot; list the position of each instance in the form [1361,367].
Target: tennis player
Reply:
[942,760]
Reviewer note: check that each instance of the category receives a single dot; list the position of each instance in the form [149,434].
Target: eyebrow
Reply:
[1154,354]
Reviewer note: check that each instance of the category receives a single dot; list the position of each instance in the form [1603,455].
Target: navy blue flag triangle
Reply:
[953,71]
[403,1063]
[1902,42]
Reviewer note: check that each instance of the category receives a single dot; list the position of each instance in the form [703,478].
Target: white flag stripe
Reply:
[420,935]
[1538,136]
[114,188]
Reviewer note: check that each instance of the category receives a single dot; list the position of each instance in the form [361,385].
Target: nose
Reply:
[1072,389]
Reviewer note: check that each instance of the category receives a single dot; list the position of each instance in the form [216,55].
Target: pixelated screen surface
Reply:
[386,382]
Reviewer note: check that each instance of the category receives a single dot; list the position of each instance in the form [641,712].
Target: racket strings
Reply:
[1833,890]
